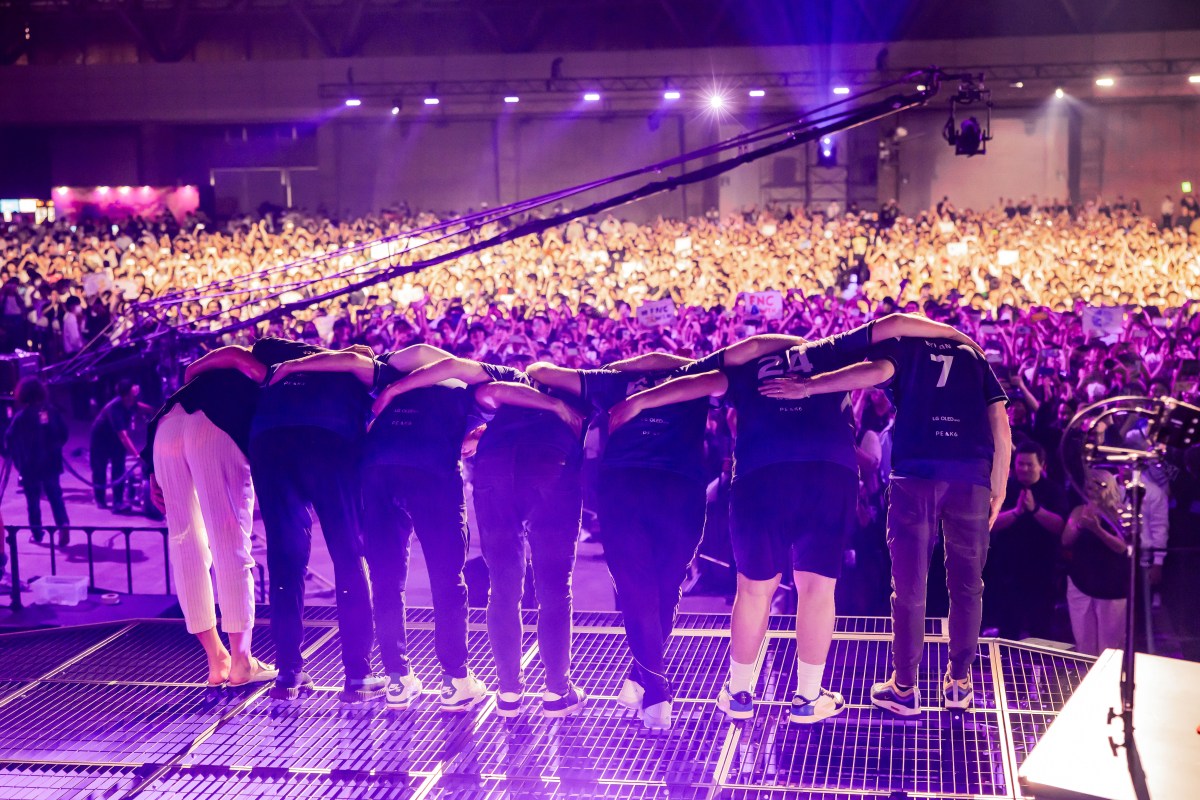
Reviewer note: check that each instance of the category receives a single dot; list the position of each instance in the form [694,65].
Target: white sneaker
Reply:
[402,691]
[462,694]
[827,704]
[657,716]
[631,695]
[957,694]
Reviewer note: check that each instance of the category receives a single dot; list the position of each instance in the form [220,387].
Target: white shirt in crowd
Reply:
[72,333]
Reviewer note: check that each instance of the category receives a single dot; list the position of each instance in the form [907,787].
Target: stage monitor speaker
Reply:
[1076,759]
[14,367]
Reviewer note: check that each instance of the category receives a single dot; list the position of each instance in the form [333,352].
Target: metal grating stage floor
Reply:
[119,711]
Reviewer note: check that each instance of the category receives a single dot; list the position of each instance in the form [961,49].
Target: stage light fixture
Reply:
[124,189]
[970,136]
[512,98]
[1186,187]
[921,87]
[1059,93]
[841,90]
[1105,82]
[671,94]
[1193,78]
[757,93]
[591,97]
[431,101]
[102,189]
[827,155]
[1017,84]
[395,110]
[353,102]
[715,101]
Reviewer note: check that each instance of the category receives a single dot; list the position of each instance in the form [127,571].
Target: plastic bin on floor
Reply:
[60,590]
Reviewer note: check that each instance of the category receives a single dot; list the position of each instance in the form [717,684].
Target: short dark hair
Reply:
[1030,446]
[124,387]
[30,392]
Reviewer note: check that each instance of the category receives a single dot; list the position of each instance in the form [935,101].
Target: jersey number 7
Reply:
[947,361]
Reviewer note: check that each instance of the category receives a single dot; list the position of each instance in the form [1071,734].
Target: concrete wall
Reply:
[1028,156]
[176,123]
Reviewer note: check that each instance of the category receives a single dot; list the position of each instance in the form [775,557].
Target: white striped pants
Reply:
[209,498]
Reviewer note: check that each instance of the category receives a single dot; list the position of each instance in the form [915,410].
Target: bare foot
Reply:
[218,671]
[240,671]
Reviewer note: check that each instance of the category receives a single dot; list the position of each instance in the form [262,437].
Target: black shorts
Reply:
[798,515]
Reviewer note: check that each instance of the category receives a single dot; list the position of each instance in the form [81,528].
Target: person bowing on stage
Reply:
[526,487]
[793,497]
[950,463]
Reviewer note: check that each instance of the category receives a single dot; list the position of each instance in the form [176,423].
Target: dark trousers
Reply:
[1020,601]
[536,492]
[652,521]
[915,507]
[299,470]
[398,501]
[108,469]
[35,487]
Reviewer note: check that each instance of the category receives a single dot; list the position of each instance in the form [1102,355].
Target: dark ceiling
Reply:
[75,31]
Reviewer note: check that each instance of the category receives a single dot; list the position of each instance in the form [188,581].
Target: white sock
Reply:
[741,677]
[808,679]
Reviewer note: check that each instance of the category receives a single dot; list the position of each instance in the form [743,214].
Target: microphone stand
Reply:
[1135,490]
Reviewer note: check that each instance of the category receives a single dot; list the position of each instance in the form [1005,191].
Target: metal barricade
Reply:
[89,531]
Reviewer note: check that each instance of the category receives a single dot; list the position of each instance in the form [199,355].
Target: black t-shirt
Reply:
[820,428]
[112,419]
[515,427]
[942,390]
[1027,550]
[226,396]
[669,438]
[423,428]
[335,401]
[1096,570]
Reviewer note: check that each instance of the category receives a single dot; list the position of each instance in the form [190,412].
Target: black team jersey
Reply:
[516,427]
[669,438]
[336,401]
[942,390]
[423,428]
[773,431]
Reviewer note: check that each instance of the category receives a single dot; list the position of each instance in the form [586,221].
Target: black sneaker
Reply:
[291,687]
[508,704]
[358,690]
[556,706]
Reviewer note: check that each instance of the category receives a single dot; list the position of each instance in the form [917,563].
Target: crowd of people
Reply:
[1025,255]
[1069,305]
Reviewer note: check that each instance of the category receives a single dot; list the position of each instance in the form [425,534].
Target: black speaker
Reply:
[15,366]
